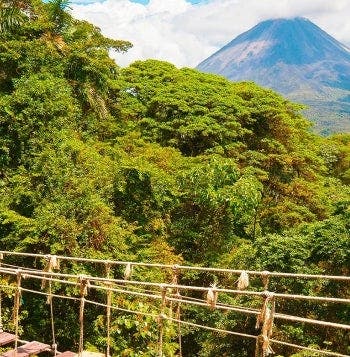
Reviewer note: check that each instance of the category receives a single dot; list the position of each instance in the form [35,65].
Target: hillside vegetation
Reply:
[155,163]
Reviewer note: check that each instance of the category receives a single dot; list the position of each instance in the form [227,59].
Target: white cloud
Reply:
[185,34]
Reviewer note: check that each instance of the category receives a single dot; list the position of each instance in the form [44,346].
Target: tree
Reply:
[13,14]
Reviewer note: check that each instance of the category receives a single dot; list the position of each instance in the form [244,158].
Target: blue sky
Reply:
[185,32]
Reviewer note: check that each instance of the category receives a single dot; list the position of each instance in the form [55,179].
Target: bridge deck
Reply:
[29,349]
[67,354]
[6,338]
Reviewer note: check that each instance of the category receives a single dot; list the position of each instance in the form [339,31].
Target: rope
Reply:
[16,308]
[128,292]
[1,326]
[266,315]
[42,275]
[265,318]
[212,296]
[108,311]
[326,353]
[83,283]
[178,317]
[128,271]
[183,267]
[178,308]
[136,312]
[243,281]
[280,316]
[81,323]
[312,321]
[52,263]
[198,302]
[265,277]
[50,301]
[188,323]
[241,310]
[214,329]
[135,288]
[161,318]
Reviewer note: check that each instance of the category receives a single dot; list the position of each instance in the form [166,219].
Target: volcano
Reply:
[296,58]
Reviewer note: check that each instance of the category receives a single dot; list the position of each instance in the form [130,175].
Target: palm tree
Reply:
[58,15]
[13,13]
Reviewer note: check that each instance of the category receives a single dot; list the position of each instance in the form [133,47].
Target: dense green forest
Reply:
[159,164]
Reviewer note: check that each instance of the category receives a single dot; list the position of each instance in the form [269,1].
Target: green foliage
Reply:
[10,18]
[260,131]
[336,152]
[180,108]
[58,15]
[217,205]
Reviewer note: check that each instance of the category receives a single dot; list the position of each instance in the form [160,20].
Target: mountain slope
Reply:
[296,58]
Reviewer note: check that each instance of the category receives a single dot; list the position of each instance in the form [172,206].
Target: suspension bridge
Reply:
[165,296]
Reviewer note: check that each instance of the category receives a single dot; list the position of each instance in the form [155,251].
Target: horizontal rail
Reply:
[182,267]
[108,284]
[51,276]
[326,353]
